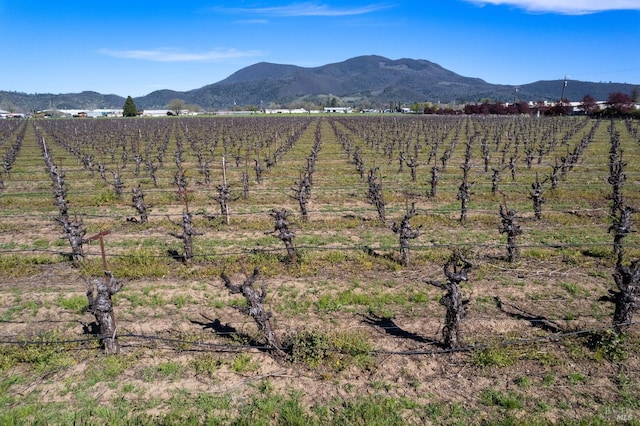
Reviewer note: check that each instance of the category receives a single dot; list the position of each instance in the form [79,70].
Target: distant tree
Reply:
[194,107]
[470,109]
[589,105]
[635,94]
[523,108]
[129,109]
[619,104]
[176,106]
[9,106]
[512,109]
[563,107]
[540,107]
[422,108]
[310,106]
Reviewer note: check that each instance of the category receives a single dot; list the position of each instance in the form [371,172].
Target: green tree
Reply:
[129,109]
[418,107]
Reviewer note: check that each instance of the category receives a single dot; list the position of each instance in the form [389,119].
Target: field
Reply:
[358,318]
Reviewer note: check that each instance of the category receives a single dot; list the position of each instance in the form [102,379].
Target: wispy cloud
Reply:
[175,55]
[310,9]
[566,7]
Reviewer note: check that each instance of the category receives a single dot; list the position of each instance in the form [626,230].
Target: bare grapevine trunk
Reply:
[464,195]
[99,292]
[255,308]
[536,195]
[456,270]
[188,232]
[435,178]
[622,226]
[375,195]
[282,232]
[627,279]
[139,205]
[302,193]
[512,230]
[405,233]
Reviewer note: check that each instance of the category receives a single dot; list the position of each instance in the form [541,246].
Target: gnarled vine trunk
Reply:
[255,308]
[99,292]
[456,270]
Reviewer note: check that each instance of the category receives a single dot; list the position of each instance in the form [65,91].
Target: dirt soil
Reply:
[526,316]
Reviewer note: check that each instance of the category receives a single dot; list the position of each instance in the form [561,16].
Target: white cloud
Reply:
[567,7]
[310,9]
[175,55]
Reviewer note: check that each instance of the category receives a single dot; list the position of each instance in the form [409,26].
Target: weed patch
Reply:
[335,351]
[509,401]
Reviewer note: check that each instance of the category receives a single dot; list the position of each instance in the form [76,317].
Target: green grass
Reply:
[574,289]
[509,401]
[495,356]
[169,370]
[206,365]
[576,378]
[108,368]
[73,303]
[31,306]
[40,355]
[243,363]
[335,284]
[334,351]
[24,265]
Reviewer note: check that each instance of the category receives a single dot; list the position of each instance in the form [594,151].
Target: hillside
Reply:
[361,81]
[24,102]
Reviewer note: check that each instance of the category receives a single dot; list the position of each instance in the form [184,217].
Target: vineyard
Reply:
[348,269]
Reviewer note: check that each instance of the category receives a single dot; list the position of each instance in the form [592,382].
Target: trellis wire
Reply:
[225,347]
[357,248]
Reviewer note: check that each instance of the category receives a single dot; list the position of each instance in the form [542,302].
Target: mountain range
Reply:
[364,81]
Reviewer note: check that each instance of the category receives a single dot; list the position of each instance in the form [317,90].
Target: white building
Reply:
[286,111]
[343,110]
[156,112]
[93,113]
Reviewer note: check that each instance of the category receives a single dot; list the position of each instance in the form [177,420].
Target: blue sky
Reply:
[136,47]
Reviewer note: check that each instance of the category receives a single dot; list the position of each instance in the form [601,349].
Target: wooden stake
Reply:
[99,236]
[224,170]
[224,182]
[185,192]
